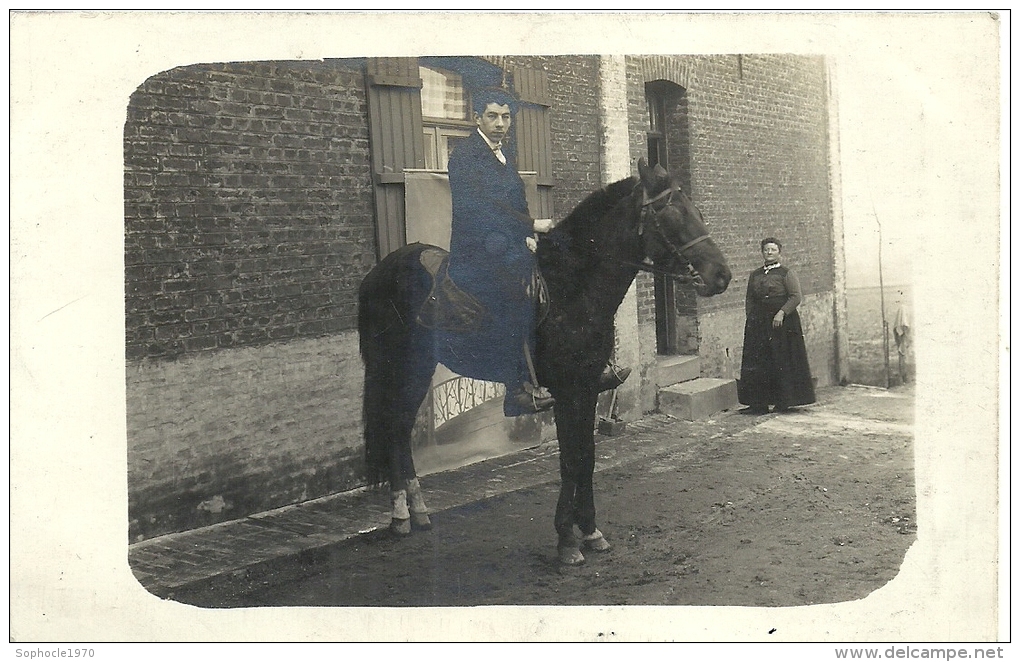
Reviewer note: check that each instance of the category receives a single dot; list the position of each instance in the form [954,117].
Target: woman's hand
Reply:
[777,321]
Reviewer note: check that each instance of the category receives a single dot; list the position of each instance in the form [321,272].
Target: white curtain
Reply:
[427,206]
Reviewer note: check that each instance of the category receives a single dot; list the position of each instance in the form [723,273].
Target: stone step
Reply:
[698,398]
[671,370]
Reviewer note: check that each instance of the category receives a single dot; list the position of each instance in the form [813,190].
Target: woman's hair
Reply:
[771,240]
[482,98]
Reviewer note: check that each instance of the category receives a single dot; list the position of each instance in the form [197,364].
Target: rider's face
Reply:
[494,121]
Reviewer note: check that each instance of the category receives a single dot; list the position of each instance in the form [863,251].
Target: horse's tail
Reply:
[392,349]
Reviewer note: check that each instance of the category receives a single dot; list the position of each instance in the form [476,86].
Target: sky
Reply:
[914,117]
[879,171]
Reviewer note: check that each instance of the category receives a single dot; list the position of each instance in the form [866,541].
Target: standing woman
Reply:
[774,368]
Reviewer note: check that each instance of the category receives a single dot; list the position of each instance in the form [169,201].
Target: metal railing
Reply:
[448,400]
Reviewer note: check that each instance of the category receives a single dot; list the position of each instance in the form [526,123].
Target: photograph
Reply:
[611,327]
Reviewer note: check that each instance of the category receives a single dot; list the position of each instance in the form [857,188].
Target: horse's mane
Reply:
[597,204]
[566,253]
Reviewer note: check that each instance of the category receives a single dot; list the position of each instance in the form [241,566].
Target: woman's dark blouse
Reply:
[780,284]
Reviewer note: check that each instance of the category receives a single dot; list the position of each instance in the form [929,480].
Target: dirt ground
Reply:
[813,506]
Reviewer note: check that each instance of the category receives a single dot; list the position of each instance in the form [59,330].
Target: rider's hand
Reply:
[543,224]
[532,244]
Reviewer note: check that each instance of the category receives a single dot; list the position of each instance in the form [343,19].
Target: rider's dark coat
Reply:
[491,261]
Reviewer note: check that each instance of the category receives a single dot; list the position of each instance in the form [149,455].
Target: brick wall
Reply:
[574,123]
[248,209]
[758,140]
[759,145]
[214,436]
[248,226]
[638,109]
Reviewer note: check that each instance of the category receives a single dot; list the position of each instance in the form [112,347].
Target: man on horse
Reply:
[492,258]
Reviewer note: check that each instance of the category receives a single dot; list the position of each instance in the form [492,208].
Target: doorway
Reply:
[668,139]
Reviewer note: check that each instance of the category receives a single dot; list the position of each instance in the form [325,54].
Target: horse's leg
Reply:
[399,357]
[575,425]
[416,506]
[584,506]
[400,452]
[409,508]
[584,497]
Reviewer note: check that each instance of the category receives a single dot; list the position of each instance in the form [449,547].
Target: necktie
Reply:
[498,151]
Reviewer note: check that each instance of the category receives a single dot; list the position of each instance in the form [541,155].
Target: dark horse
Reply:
[589,261]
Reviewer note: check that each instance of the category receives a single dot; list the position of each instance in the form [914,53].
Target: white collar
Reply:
[770,267]
[493,146]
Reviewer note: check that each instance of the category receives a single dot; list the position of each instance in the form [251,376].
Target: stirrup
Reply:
[612,377]
[527,402]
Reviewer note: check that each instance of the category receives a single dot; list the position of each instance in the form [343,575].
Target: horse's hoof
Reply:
[570,556]
[421,522]
[400,527]
[596,542]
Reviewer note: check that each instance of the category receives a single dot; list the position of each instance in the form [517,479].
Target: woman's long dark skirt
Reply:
[774,368]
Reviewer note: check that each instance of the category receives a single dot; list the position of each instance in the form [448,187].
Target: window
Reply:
[657,153]
[418,108]
[445,114]
[442,95]
[439,144]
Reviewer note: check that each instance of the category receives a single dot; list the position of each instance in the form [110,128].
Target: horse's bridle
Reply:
[648,211]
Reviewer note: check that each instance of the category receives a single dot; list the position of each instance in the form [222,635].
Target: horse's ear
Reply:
[651,177]
[646,174]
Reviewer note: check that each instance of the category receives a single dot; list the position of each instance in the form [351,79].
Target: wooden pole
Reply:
[881,291]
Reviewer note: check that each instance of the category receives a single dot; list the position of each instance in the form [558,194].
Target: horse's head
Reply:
[674,233]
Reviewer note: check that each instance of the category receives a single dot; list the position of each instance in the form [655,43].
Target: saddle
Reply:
[450,308]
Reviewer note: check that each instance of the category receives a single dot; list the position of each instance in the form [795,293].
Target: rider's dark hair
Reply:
[482,98]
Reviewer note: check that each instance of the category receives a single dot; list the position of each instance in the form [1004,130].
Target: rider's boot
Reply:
[612,377]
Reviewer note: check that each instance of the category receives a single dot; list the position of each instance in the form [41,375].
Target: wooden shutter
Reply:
[534,136]
[396,141]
